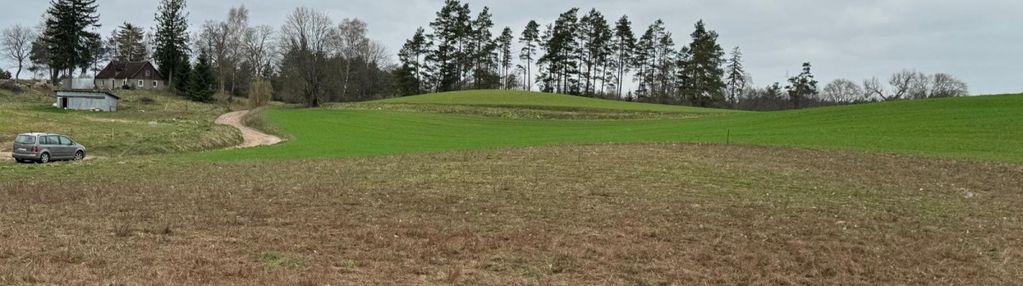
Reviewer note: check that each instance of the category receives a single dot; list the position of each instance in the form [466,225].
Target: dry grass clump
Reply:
[573,215]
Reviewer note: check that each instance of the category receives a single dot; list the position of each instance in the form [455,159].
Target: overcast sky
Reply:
[978,41]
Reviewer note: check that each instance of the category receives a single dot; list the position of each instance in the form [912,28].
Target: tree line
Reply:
[580,53]
[586,54]
[309,59]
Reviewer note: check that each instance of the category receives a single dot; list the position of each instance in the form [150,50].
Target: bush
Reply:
[260,94]
[5,74]
[146,100]
[10,85]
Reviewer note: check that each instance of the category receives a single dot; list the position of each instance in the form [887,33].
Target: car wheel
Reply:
[79,156]
[44,158]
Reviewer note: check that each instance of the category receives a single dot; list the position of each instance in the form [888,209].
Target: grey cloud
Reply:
[977,41]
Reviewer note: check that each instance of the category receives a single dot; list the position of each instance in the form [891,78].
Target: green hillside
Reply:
[147,122]
[540,100]
[984,128]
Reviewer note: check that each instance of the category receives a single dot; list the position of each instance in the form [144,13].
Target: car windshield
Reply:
[25,139]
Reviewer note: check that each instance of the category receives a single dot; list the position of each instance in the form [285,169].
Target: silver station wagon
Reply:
[46,147]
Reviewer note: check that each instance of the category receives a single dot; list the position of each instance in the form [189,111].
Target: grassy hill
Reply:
[523,99]
[965,128]
[147,122]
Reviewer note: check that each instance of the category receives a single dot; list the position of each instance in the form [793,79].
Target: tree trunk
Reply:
[344,86]
[528,82]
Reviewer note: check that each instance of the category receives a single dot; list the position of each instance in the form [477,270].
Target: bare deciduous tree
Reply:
[16,43]
[258,49]
[920,86]
[351,43]
[872,88]
[945,85]
[842,91]
[908,84]
[306,38]
[236,28]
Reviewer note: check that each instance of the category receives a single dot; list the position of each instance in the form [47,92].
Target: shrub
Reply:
[146,100]
[5,74]
[10,85]
[260,94]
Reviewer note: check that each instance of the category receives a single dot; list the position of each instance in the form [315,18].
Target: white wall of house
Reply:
[133,83]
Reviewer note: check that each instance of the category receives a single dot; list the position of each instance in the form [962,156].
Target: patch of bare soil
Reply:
[569,215]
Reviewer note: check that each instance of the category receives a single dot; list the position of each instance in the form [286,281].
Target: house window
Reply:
[156,83]
[142,83]
[147,73]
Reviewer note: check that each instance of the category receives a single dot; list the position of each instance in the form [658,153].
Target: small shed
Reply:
[87,100]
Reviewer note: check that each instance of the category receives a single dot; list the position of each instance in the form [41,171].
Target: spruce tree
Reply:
[70,43]
[171,41]
[202,82]
[736,79]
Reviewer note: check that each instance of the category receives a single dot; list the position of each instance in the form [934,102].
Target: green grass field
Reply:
[976,128]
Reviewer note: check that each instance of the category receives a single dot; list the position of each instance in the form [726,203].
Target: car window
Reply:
[65,140]
[52,140]
[25,139]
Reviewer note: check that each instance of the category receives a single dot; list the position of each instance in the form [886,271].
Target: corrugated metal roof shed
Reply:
[86,100]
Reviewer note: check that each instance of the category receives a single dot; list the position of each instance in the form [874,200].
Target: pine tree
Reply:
[642,60]
[447,36]
[530,41]
[69,43]
[504,44]
[802,86]
[594,35]
[704,68]
[561,53]
[548,75]
[412,73]
[624,47]
[171,41]
[657,59]
[736,79]
[482,50]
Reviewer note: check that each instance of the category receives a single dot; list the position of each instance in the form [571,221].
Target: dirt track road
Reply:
[253,137]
